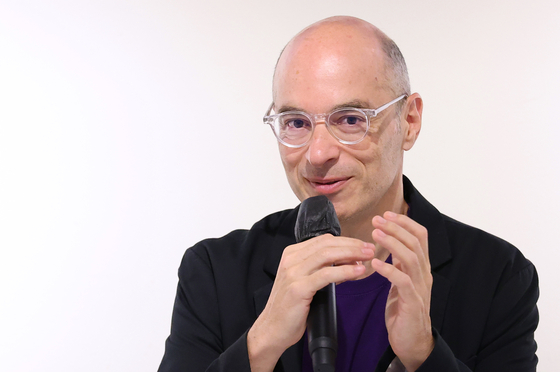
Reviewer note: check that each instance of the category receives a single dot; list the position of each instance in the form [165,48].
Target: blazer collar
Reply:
[421,211]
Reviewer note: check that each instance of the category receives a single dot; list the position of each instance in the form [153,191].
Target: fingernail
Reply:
[381,219]
[390,214]
[358,268]
[367,251]
[380,232]
[376,263]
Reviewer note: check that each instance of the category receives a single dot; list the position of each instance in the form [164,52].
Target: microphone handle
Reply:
[322,329]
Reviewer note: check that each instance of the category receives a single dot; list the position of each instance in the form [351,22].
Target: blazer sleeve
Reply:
[195,343]
[508,343]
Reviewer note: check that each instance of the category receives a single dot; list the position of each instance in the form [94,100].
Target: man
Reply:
[417,288]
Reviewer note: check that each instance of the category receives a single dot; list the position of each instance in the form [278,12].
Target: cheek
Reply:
[367,152]
[392,151]
[380,156]
[290,157]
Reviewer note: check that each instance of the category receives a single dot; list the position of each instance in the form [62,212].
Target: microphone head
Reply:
[316,217]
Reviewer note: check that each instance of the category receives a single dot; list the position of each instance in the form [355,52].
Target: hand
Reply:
[304,269]
[407,314]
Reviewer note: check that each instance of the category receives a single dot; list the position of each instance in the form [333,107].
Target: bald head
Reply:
[340,43]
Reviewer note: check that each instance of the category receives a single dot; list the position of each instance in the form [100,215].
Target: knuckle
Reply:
[423,232]
[430,280]
[324,274]
[290,274]
[407,281]
[286,274]
[325,254]
[389,269]
[284,263]
[413,257]
[289,249]
[325,238]
[293,290]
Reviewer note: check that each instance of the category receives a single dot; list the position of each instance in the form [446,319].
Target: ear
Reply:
[412,114]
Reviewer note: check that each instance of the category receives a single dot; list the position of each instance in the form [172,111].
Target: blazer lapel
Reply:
[440,291]
[428,216]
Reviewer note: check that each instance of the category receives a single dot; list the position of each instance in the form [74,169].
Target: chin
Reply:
[341,211]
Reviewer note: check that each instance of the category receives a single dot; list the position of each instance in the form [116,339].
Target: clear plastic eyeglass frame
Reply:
[274,120]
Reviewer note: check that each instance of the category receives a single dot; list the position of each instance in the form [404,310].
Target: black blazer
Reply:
[483,306]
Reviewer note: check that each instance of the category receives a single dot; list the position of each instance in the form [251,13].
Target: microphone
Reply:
[316,217]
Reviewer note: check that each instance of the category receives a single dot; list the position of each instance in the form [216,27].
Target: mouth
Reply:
[327,186]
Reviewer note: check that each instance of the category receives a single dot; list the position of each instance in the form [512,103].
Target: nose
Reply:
[323,147]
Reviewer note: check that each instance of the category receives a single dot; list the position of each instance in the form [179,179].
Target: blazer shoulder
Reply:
[242,242]
[484,247]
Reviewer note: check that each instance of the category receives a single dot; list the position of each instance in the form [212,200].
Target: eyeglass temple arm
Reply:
[266,118]
[267,113]
[379,109]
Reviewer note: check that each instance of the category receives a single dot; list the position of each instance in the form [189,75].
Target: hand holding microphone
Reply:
[317,217]
[305,268]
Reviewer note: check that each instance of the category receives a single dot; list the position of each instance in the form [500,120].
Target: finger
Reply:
[309,247]
[334,274]
[412,236]
[408,294]
[414,228]
[404,259]
[418,244]
[333,255]
[325,250]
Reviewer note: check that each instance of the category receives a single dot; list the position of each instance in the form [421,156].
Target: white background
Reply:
[129,130]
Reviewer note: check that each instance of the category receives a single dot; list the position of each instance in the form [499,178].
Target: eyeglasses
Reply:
[349,125]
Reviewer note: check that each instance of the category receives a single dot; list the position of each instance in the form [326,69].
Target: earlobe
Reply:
[413,117]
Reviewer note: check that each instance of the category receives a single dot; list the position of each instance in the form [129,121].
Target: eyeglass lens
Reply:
[346,125]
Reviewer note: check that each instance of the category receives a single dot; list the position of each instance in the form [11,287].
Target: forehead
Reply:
[323,68]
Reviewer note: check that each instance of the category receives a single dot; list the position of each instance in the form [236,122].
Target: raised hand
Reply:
[407,314]
[304,269]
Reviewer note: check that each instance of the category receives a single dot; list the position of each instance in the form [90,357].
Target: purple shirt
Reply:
[362,335]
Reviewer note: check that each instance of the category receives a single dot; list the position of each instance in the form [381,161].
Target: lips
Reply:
[327,186]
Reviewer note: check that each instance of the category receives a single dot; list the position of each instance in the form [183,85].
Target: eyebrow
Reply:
[354,104]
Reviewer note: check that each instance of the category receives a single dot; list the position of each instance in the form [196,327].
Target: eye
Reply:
[294,122]
[293,128]
[348,120]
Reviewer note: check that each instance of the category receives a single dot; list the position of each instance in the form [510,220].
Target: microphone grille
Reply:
[316,217]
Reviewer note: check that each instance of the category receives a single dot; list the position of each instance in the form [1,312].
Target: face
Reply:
[316,75]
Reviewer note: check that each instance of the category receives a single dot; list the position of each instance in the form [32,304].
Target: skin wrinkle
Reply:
[354,103]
